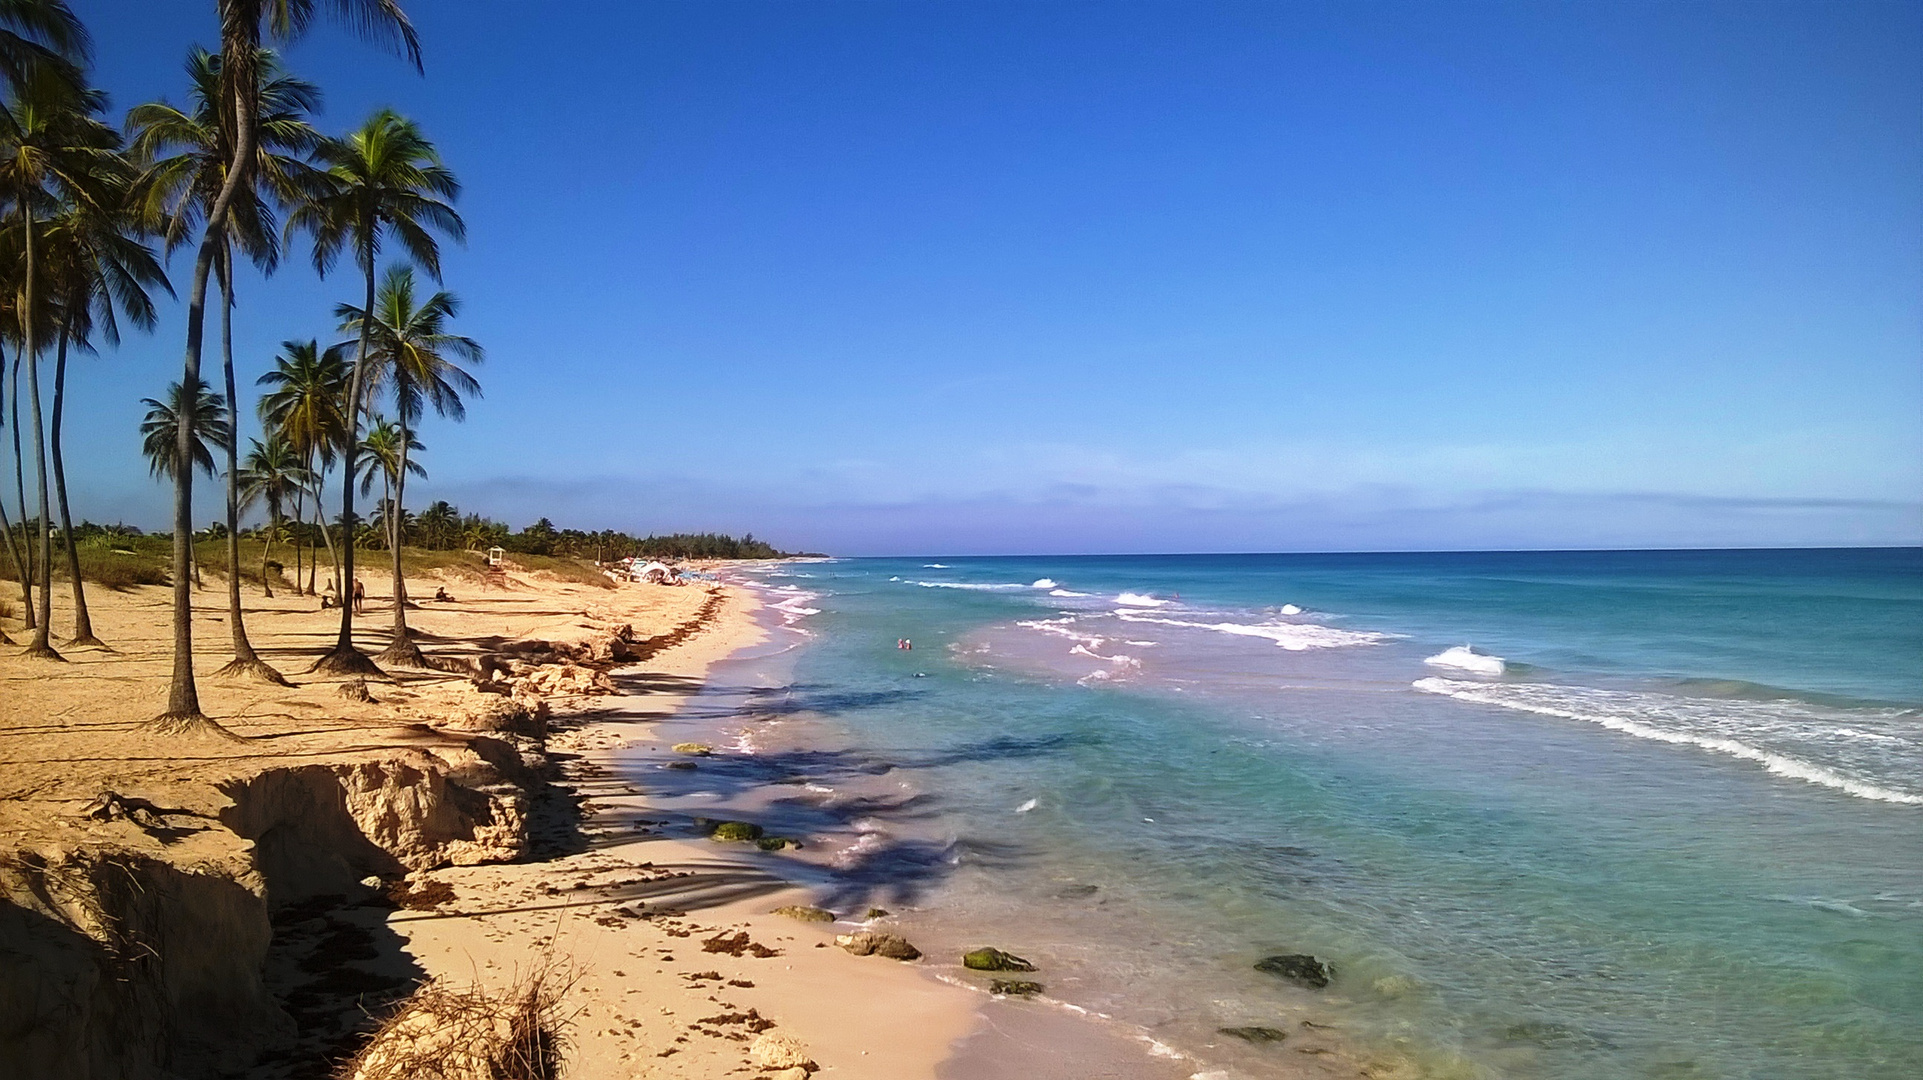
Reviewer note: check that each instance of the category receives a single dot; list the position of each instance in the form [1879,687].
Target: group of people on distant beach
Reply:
[328,599]
[360,596]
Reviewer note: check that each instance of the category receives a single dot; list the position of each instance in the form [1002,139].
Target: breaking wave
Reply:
[1464,658]
[1292,636]
[1783,736]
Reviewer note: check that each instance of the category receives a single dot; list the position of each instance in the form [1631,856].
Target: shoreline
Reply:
[588,908]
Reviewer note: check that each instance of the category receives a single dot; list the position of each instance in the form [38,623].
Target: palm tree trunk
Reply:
[13,545]
[400,647]
[267,549]
[82,623]
[327,537]
[25,555]
[183,697]
[41,646]
[246,663]
[345,659]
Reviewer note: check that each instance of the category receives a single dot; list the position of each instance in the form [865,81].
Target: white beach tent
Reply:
[658,572]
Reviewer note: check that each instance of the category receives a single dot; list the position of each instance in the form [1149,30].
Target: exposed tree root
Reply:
[188,724]
[348,661]
[88,642]
[402,652]
[43,652]
[251,669]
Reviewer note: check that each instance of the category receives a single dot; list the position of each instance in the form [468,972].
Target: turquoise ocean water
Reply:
[1609,815]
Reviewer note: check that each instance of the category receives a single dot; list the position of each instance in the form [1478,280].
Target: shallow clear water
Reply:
[1676,830]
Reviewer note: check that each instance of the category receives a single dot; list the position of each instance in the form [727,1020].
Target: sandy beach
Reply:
[432,832]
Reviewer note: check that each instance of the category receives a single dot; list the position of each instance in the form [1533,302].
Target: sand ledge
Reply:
[232,918]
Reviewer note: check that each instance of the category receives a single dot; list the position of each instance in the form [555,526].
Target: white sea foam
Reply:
[934,566]
[1065,592]
[1062,628]
[1291,609]
[1135,599]
[1764,732]
[1118,658]
[1464,658]
[1292,636]
[1045,583]
[968,585]
[1027,806]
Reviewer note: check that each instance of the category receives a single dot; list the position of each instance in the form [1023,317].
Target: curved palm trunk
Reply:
[183,697]
[13,544]
[40,646]
[327,538]
[246,663]
[345,659]
[400,648]
[82,623]
[24,556]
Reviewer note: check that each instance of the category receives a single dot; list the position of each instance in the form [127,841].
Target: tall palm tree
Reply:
[98,269]
[187,153]
[387,445]
[206,416]
[411,354]
[387,180]
[241,25]
[307,405]
[274,473]
[52,150]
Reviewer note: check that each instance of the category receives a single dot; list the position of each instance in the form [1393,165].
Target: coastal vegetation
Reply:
[93,207]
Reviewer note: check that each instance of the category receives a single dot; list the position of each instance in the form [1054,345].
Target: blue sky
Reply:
[1033,277]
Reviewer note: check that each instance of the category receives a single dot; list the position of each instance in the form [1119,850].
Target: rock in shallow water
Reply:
[805,913]
[1298,968]
[869,943]
[995,960]
[735,830]
[1255,1034]
[695,748]
[1018,987]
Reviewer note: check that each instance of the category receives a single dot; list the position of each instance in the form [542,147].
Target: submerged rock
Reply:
[1298,968]
[682,765]
[735,830]
[995,960]
[1019,987]
[806,913]
[776,843]
[876,913]
[1255,1034]
[698,749]
[869,943]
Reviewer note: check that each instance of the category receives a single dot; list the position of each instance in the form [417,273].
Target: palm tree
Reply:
[41,37]
[52,150]
[273,474]
[387,180]
[241,23]
[386,445]
[206,417]
[411,354]
[99,269]
[440,524]
[306,405]
[22,559]
[188,153]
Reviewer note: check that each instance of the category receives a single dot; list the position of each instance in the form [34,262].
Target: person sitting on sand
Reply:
[441,595]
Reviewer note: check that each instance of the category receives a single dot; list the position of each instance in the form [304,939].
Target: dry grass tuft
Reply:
[440,1033]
